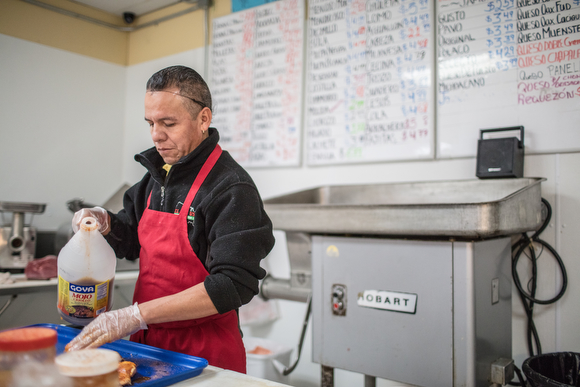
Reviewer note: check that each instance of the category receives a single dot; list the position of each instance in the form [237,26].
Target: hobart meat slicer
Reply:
[17,240]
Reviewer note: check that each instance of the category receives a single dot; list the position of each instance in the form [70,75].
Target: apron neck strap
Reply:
[200,178]
[205,169]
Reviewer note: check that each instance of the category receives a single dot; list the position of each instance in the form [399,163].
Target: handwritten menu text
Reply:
[257,83]
[368,80]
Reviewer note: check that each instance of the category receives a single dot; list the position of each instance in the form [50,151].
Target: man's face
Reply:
[173,131]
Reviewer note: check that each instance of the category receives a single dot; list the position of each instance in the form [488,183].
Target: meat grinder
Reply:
[17,240]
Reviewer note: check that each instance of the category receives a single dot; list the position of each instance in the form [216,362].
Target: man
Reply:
[197,223]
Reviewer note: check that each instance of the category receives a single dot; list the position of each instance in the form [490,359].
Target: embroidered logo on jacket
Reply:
[190,214]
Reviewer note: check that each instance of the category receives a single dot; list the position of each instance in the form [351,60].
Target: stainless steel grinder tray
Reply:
[22,207]
[463,209]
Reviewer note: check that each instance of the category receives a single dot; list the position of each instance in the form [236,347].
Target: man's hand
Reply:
[108,327]
[100,214]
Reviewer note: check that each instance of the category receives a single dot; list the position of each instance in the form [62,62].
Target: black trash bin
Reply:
[556,369]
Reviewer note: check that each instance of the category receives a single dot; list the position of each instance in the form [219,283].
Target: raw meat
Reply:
[43,268]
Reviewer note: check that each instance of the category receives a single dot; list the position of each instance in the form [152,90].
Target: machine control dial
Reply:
[338,300]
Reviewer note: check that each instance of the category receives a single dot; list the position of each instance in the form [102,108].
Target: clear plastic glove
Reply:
[100,214]
[108,327]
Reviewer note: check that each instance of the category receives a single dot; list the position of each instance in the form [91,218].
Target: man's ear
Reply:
[204,118]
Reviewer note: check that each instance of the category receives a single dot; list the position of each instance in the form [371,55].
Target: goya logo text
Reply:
[81,288]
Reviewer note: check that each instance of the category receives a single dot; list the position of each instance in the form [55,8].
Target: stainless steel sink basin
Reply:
[463,209]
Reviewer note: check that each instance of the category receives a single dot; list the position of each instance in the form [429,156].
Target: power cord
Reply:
[526,243]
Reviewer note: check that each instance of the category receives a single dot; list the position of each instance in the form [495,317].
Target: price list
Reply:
[369,81]
[257,83]
[498,62]
[477,65]
[549,53]
[231,81]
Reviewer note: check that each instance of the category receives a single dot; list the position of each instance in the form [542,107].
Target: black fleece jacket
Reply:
[230,232]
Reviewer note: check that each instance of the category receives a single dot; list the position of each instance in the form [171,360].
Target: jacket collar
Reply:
[153,162]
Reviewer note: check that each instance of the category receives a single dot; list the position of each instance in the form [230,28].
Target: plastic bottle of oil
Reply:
[86,271]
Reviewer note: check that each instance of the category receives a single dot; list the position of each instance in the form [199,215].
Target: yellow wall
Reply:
[30,22]
[177,35]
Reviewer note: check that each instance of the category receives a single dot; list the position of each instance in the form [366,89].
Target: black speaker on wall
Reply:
[500,157]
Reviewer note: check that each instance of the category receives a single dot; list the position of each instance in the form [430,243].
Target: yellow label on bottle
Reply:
[86,300]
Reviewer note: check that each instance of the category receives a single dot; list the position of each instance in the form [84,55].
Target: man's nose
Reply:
[157,133]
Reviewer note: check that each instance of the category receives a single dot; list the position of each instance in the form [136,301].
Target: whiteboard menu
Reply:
[369,81]
[507,63]
[256,83]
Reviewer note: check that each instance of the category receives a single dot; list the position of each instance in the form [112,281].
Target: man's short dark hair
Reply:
[190,84]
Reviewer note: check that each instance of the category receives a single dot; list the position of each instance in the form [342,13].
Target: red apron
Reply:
[168,265]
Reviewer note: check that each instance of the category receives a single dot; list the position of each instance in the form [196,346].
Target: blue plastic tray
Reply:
[155,367]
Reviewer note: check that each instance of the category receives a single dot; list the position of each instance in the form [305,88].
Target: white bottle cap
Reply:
[88,362]
[89,224]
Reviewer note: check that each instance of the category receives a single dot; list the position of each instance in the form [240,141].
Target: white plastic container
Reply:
[96,367]
[86,271]
[261,366]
